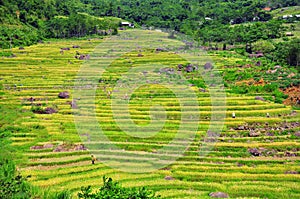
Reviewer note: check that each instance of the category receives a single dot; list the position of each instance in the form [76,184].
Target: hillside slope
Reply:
[252,150]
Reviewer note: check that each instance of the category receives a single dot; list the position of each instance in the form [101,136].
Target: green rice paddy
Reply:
[36,76]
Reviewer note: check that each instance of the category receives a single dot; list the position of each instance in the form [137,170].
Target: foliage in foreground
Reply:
[12,184]
[113,190]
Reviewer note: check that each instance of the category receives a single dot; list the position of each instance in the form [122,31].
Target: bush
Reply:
[14,36]
[263,46]
[113,190]
[288,53]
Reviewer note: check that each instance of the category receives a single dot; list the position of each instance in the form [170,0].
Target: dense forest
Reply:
[225,21]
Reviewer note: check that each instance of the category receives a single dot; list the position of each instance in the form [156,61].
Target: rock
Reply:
[291,172]
[59,148]
[81,57]
[169,178]
[255,152]
[140,55]
[240,164]
[257,55]
[65,49]
[39,147]
[297,134]
[48,146]
[240,128]
[195,67]
[202,90]
[160,49]
[49,110]
[189,68]
[36,147]
[80,147]
[31,99]
[253,133]
[12,56]
[21,48]
[277,67]
[64,95]
[291,75]
[75,46]
[208,66]
[270,134]
[258,63]
[259,98]
[179,67]
[218,195]
[73,104]
[289,154]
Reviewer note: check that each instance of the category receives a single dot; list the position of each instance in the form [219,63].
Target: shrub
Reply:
[263,46]
[113,190]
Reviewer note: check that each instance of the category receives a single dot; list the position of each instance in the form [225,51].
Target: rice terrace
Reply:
[114,104]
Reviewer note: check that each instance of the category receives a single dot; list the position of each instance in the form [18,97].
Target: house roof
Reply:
[125,23]
[267,9]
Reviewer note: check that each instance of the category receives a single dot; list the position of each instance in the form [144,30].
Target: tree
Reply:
[288,53]
[113,190]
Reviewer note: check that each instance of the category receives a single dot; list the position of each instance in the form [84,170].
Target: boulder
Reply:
[39,147]
[82,57]
[241,128]
[36,147]
[195,67]
[73,104]
[289,154]
[160,50]
[189,68]
[253,133]
[259,98]
[49,110]
[291,75]
[291,172]
[257,55]
[179,67]
[208,66]
[59,148]
[255,152]
[75,46]
[64,95]
[270,134]
[80,147]
[31,99]
[65,49]
[258,63]
[218,195]
[21,48]
[297,134]
[48,146]
[202,90]
[169,178]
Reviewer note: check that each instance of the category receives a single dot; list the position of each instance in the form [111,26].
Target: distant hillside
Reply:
[41,17]
[280,12]
[26,22]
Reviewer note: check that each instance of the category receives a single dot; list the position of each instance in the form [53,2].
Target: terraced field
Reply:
[253,156]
